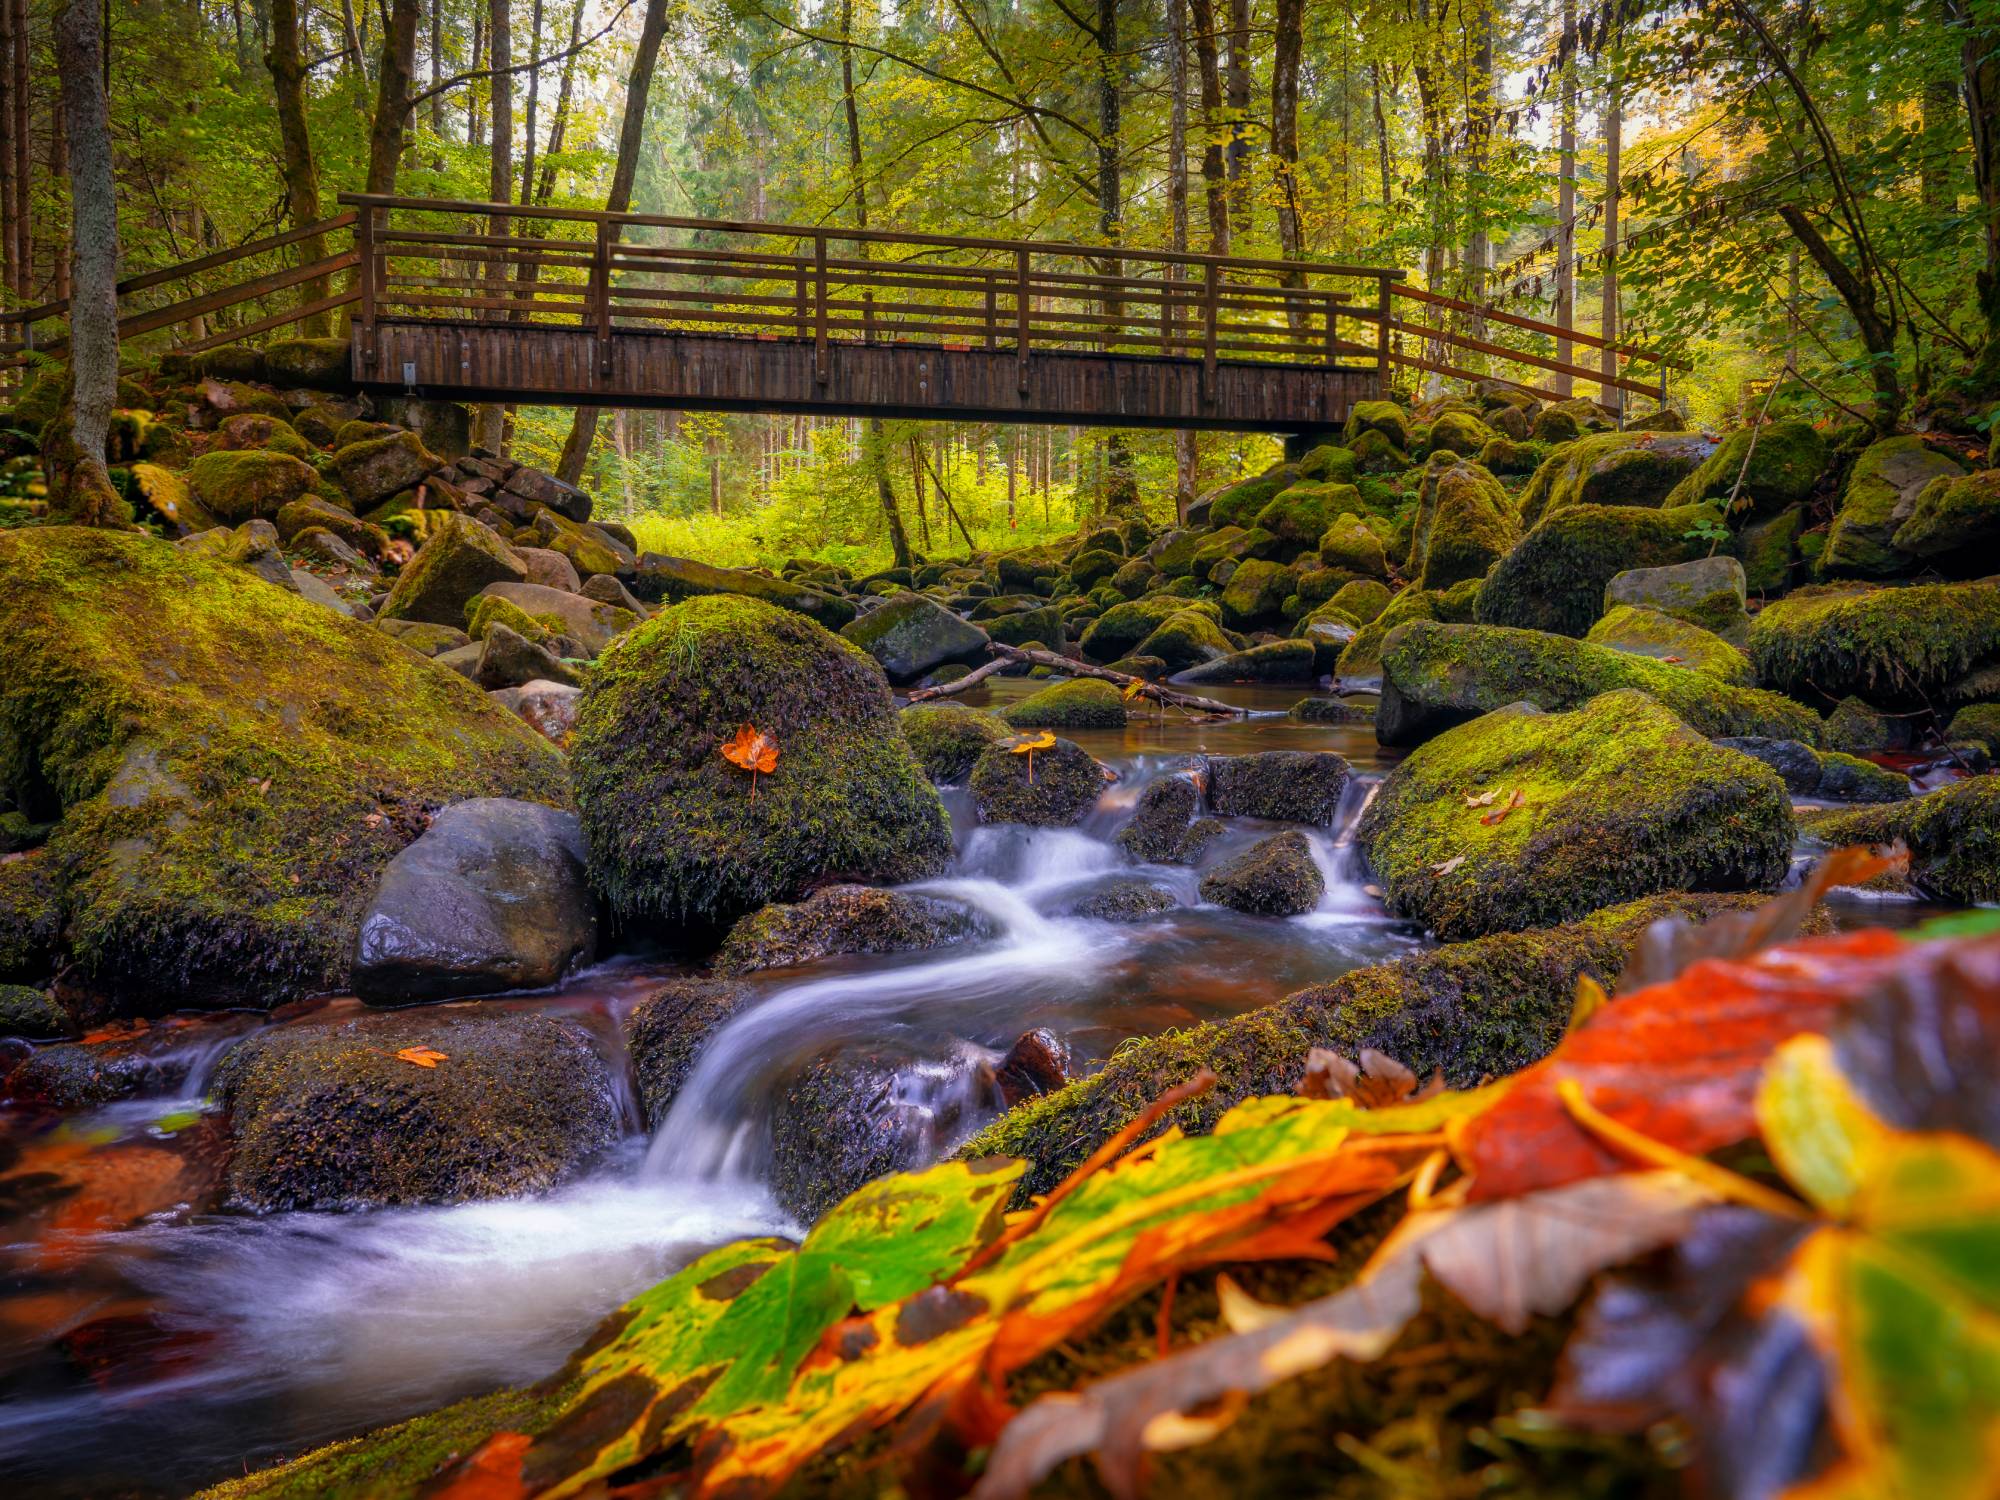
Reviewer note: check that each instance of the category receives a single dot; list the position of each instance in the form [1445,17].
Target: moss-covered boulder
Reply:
[312,510]
[1376,453]
[1468,1010]
[164,496]
[1362,599]
[1239,503]
[1288,786]
[1053,788]
[1459,432]
[1273,661]
[1880,497]
[911,635]
[1094,567]
[1555,576]
[1785,463]
[1299,516]
[1611,468]
[592,623]
[672,579]
[1173,554]
[376,468]
[234,766]
[1894,646]
[1080,703]
[31,917]
[1464,525]
[1186,638]
[1663,637]
[1955,523]
[1275,877]
[1349,547]
[248,430]
[841,919]
[458,560]
[1614,800]
[240,485]
[1976,724]
[1021,627]
[673,828]
[325,1115]
[315,364]
[1256,594]
[1710,592]
[948,738]
[1119,630]
[32,1013]
[1361,659]
[1329,461]
[1953,835]
[1385,417]
[1163,828]
[1436,675]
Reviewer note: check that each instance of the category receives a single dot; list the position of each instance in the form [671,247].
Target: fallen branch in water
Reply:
[1158,692]
[970,680]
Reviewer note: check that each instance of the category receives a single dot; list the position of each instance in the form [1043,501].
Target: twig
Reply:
[971,679]
[1729,507]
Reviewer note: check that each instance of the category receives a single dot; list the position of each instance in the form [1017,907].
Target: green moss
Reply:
[1093,568]
[1363,656]
[1350,546]
[1186,638]
[1955,522]
[1464,525]
[402,1459]
[1385,417]
[1468,1010]
[672,828]
[947,738]
[1176,558]
[1554,577]
[1255,594]
[1055,788]
[1892,645]
[1953,835]
[1298,516]
[1362,599]
[1376,453]
[1768,549]
[1236,505]
[1784,467]
[1615,800]
[1275,877]
[1081,703]
[1328,462]
[1976,724]
[1459,432]
[1610,468]
[840,919]
[1884,485]
[30,918]
[237,485]
[1119,630]
[1649,632]
[487,609]
[458,559]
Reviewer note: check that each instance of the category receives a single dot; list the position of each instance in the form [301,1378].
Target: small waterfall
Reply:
[1340,861]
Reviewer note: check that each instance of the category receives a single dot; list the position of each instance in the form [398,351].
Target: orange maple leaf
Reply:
[754,751]
[1028,744]
[423,1057]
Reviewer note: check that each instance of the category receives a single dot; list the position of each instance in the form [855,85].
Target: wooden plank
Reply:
[1416,363]
[1575,336]
[277,320]
[1501,351]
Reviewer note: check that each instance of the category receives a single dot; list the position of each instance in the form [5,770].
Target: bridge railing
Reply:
[486,262]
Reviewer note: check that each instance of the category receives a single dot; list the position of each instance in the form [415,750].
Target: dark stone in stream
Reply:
[841,919]
[1038,1063]
[77,1076]
[667,1030]
[31,1013]
[1796,762]
[1157,832]
[1066,785]
[1127,901]
[1287,786]
[492,897]
[1273,878]
[327,1115]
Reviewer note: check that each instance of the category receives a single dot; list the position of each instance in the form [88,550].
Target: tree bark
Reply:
[1614,140]
[24,176]
[1382,162]
[1979,53]
[1878,333]
[631,132]
[1566,199]
[1238,81]
[1290,43]
[1177,204]
[288,76]
[1121,482]
[10,265]
[1478,133]
[489,418]
[80,488]
[392,96]
[1213,172]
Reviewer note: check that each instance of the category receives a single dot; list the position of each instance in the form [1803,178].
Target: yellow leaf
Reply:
[423,1057]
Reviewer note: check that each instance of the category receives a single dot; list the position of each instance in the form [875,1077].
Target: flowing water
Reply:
[150,1342]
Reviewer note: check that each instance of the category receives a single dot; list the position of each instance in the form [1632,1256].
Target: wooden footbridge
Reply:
[484,302]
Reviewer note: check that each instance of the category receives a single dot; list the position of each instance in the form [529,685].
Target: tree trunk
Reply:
[1478,135]
[1177,203]
[80,488]
[489,418]
[58,231]
[1614,132]
[350,38]
[437,68]
[1566,200]
[392,96]
[301,177]
[1238,82]
[1121,482]
[1290,43]
[631,132]
[24,176]
[10,265]
[530,125]
[1213,173]
[1878,333]
[1979,53]
[1382,161]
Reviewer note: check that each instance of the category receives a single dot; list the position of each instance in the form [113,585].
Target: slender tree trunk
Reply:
[559,123]
[59,245]
[351,38]
[80,488]
[392,96]
[10,265]
[475,121]
[489,418]
[530,124]
[1213,171]
[23,106]
[917,491]
[301,177]
[1121,482]
[1614,133]
[1382,160]
[1479,133]
[1979,54]
[437,68]
[631,132]
[1566,199]
[1177,207]
[1238,83]
[1290,43]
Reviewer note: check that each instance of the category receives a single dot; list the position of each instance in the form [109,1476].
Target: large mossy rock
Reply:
[1954,525]
[375,468]
[458,560]
[1299,516]
[1288,786]
[1081,703]
[1468,1010]
[1665,638]
[1255,594]
[1615,800]
[237,485]
[234,765]
[1163,828]
[948,738]
[911,635]
[673,829]
[1785,462]
[324,364]
[1186,638]
[1610,468]
[1435,676]
[592,623]
[1554,578]
[1953,835]
[1711,592]
[1896,646]
[1117,632]
[1055,788]
[1385,417]
[493,896]
[1881,493]
[841,919]
[672,579]
[1465,524]
[325,1115]
[1274,661]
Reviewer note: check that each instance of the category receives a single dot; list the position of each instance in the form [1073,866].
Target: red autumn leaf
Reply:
[753,750]
[423,1057]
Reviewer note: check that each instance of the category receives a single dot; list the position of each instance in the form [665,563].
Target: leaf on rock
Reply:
[752,750]
[1484,799]
[1499,814]
[1026,744]
[1447,866]
[1373,1081]
[423,1057]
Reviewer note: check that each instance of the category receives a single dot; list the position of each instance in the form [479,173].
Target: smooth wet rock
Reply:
[910,635]
[675,830]
[1161,830]
[509,659]
[1797,763]
[1065,786]
[668,1029]
[1614,800]
[1037,1063]
[1127,901]
[1288,786]
[841,919]
[492,897]
[325,1115]
[1276,877]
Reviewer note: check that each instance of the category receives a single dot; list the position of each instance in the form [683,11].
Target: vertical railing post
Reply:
[1382,319]
[364,270]
[820,371]
[1332,342]
[1021,315]
[1167,310]
[992,312]
[801,307]
[600,294]
[1210,301]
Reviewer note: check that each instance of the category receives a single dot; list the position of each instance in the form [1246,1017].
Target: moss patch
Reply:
[1065,786]
[1616,800]
[1785,465]
[1464,524]
[1554,578]
[1892,645]
[840,919]
[947,738]
[1953,836]
[1081,703]
[1665,638]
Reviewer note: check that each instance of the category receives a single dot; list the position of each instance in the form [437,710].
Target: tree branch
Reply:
[447,85]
